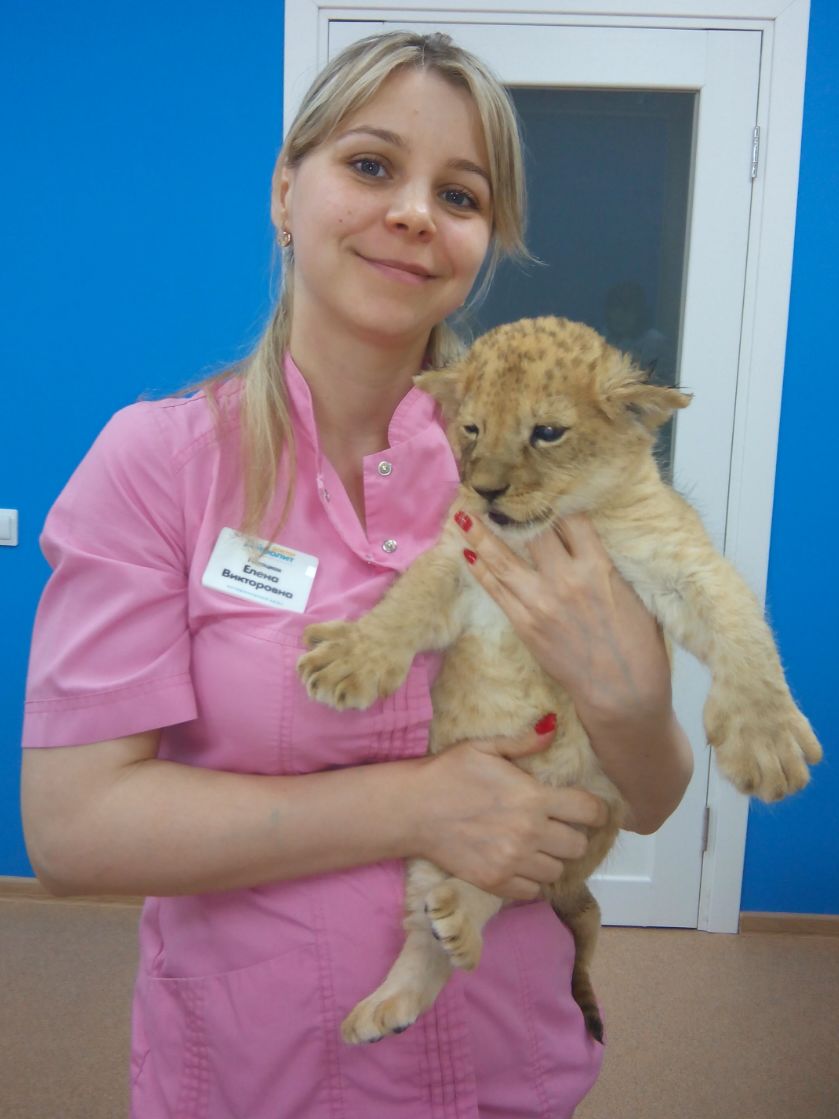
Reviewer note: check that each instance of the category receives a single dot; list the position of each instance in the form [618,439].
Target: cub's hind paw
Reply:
[344,669]
[452,926]
[379,1016]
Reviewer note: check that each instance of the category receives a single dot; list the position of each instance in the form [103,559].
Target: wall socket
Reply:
[8,527]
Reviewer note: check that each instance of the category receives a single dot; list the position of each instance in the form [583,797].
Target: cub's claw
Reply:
[345,669]
[376,1017]
[453,927]
[764,751]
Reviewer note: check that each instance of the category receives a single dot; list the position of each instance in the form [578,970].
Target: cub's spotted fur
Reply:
[547,420]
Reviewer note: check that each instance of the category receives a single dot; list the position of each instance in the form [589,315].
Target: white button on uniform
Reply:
[385,468]
[389,546]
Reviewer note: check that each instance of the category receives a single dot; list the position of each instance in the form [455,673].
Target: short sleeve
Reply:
[111,646]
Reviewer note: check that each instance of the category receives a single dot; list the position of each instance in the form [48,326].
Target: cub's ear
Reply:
[624,390]
[447,385]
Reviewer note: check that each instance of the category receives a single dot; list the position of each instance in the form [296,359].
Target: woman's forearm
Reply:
[161,828]
[649,759]
[111,818]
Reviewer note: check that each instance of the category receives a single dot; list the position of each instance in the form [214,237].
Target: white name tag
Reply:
[260,571]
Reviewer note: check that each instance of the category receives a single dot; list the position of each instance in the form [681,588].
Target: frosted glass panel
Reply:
[608,176]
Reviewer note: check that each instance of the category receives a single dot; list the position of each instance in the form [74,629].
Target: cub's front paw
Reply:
[345,668]
[764,745]
[452,925]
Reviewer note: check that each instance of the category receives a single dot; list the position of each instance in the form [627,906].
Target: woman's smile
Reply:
[403,272]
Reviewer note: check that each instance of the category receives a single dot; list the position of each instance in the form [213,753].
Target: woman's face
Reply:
[391,217]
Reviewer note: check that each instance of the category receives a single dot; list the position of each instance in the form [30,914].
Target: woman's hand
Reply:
[579,618]
[488,822]
[588,630]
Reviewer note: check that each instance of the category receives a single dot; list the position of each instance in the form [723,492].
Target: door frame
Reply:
[784,25]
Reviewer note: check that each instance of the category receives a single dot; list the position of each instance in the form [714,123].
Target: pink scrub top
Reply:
[239,995]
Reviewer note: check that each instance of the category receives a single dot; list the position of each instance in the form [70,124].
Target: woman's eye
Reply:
[545,434]
[461,199]
[373,168]
[470,429]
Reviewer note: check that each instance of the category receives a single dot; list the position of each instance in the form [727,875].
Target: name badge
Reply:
[260,571]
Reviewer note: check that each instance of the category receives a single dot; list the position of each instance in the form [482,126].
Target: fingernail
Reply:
[546,725]
[470,555]
[464,520]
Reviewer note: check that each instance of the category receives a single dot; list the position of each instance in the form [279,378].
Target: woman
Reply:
[185,761]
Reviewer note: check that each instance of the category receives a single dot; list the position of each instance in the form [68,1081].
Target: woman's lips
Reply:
[405,273]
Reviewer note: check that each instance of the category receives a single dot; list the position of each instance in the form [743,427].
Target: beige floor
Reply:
[705,1026]
[700,1026]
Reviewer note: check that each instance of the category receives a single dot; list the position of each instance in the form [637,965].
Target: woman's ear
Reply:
[281,192]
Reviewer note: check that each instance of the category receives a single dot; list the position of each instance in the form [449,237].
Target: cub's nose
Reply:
[490,495]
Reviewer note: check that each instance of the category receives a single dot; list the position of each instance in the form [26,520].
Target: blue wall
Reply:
[136,248]
[792,858]
[137,253]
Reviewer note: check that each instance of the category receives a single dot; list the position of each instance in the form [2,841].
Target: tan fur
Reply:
[516,381]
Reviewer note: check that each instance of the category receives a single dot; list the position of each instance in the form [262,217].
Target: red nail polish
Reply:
[546,725]
[464,520]
[470,555]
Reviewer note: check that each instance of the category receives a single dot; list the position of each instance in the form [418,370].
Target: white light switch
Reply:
[8,527]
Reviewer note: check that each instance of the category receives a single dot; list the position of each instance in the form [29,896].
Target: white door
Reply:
[640,146]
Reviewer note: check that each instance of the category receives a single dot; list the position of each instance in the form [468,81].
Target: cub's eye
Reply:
[470,429]
[543,434]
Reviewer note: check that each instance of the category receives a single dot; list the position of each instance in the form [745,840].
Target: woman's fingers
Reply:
[520,889]
[562,843]
[577,807]
[494,554]
[507,578]
[578,535]
[559,530]
[567,551]
[542,869]
[572,543]
[569,538]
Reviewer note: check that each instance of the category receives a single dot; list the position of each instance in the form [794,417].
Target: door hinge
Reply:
[755,150]
[706,828]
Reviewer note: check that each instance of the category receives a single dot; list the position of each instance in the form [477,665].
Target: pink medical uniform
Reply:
[239,995]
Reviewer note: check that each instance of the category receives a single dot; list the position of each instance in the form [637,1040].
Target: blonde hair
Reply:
[343,86]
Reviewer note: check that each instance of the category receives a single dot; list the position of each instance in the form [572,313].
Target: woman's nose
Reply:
[411,211]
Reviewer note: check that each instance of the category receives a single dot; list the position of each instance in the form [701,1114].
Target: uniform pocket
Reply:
[237,680]
[254,715]
[246,1044]
[316,737]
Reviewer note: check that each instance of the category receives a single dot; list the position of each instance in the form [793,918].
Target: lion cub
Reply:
[546,420]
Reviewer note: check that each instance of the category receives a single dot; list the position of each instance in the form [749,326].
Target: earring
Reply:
[285,238]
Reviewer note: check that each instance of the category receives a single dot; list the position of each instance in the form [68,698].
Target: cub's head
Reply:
[547,419]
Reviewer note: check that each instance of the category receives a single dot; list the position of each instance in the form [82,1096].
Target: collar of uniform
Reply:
[300,399]
[407,487]
[413,414]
